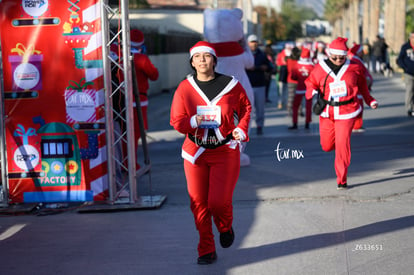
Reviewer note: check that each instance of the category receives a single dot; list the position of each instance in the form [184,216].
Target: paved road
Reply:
[288,216]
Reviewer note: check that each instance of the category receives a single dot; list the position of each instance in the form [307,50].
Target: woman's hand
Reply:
[199,119]
[236,135]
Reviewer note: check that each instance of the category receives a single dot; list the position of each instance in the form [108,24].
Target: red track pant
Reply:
[210,183]
[358,121]
[295,108]
[336,135]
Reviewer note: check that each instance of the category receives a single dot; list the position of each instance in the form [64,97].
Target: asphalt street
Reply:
[289,218]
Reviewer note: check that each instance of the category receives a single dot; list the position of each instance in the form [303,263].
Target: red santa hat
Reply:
[202,47]
[338,46]
[305,54]
[356,49]
[137,38]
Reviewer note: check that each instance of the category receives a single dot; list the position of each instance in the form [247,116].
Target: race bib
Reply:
[211,116]
[338,89]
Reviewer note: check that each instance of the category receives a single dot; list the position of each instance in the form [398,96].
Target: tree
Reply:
[286,25]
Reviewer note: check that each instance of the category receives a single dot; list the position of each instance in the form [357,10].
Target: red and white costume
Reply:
[354,56]
[144,71]
[211,173]
[300,73]
[336,122]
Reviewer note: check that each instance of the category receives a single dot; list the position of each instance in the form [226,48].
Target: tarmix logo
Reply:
[287,153]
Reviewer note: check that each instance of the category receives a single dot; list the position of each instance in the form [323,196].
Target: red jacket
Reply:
[291,63]
[144,70]
[232,99]
[364,69]
[300,72]
[351,76]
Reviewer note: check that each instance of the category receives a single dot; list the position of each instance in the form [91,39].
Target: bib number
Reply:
[211,116]
[338,89]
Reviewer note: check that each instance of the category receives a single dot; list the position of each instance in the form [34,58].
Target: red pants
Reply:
[295,108]
[336,135]
[210,184]
[358,121]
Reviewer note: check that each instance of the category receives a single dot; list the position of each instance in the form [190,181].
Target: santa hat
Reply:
[305,54]
[289,45]
[338,46]
[202,47]
[137,38]
[356,49]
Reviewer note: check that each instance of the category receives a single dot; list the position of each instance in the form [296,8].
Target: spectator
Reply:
[366,54]
[257,79]
[269,75]
[406,61]
[379,54]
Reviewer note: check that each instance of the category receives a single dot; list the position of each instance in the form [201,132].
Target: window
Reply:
[57,148]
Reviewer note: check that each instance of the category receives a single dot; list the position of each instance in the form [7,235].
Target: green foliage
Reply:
[286,25]
[138,4]
[409,18]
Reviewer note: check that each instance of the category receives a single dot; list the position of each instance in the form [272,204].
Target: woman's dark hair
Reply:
[295,53]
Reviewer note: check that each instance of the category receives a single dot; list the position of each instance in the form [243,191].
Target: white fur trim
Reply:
[337,52]
[202,49]
[193,122]
[191,158]
[136,44]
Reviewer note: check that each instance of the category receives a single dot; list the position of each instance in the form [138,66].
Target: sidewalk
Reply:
[289,218]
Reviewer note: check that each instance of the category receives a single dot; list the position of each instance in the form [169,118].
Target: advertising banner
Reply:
[53,99]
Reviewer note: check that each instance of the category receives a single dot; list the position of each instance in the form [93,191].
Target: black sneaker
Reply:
[259,131]
[342,186]
[293,127]
[207,258]
[227,238]
[307,126]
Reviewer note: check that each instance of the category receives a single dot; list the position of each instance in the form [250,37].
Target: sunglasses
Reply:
[338,58]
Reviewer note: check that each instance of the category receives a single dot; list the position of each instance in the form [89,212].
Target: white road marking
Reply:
[11,231]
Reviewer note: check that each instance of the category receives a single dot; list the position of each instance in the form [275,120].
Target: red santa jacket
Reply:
[365,71]
[300,72]
[144,70]
[232,99]
[291,63]
[353,82]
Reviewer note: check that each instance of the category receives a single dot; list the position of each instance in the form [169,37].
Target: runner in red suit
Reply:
[204,108]
[355,54]
[340,80]
[299,73]
[144,71]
